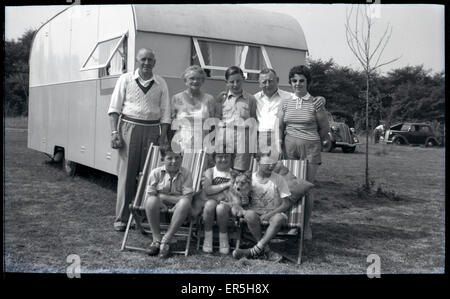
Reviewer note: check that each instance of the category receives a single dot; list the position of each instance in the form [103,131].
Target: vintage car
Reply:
[412,133]
[342,134]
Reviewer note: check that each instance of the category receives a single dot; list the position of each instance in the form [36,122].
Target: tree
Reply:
[358,31]
[339,85]
[417,95]
[16,70]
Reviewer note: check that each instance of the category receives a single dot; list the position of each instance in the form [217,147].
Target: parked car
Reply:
[342,134]
[412,133]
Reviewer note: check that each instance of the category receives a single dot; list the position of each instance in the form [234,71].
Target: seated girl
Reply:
[215,181]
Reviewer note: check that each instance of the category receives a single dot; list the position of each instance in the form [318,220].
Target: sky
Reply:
[418,30]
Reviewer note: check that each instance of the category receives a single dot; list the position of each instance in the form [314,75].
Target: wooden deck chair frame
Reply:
[194,162]
[296,214]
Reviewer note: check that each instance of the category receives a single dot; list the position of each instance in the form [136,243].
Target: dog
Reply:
[238,196]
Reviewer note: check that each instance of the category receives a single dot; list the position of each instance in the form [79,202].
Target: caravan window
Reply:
[108,56]
[215,57]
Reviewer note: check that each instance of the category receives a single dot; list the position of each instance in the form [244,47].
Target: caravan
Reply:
[77,56]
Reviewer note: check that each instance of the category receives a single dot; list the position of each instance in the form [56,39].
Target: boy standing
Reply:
[270,202]
[170,186]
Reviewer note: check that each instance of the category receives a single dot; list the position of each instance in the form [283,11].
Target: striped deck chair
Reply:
[296,214]
[234,230]
[194,162]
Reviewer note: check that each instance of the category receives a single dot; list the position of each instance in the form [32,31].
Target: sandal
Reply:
[154,248]
[164,252]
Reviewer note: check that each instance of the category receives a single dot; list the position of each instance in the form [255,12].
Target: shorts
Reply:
[262,212]
[268,142]
[173,206]
[300,149]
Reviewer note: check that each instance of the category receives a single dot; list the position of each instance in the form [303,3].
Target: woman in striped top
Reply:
[304,124]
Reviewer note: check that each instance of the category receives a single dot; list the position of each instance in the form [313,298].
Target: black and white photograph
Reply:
[292,138]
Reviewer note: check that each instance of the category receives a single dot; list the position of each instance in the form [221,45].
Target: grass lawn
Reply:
[20,122]
[48,216]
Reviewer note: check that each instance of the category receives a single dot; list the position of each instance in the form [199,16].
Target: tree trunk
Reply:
[367,132]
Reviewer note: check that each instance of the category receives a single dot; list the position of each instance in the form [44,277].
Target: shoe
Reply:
[164,251]
[120,226]
[133,225]
[154,248]
[240,253]
[207,248]
[273,256]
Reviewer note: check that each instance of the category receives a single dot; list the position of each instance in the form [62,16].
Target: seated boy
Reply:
[170,186]
[269,202]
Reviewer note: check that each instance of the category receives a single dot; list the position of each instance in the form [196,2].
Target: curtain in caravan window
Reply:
[105,59]
[220,55]
[217,57]
[117,64]
[254,61]
[239,56]
[101,53]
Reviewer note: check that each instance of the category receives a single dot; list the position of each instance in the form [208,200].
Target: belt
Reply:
[266,131]
[228,126]
[140,121]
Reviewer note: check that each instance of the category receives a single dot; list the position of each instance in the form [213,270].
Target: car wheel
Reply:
[348,149]
[430,143]
[397,140]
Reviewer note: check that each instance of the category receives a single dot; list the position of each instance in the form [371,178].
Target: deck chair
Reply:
[234,230]
[296,214]
[194,162]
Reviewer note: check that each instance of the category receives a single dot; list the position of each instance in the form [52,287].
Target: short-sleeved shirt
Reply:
[213,176]
[268,193]
[236,112]
[181,107]
[131,98]
[230,108]
[267,109]
[299,116]
[160,181]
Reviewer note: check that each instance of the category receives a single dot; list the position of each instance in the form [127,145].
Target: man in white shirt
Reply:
[378,132]
[268,101]
[139,114]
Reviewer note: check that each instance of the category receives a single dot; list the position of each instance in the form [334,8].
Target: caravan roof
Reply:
[222,22]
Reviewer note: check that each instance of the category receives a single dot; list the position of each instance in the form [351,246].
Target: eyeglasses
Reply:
[295,80]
